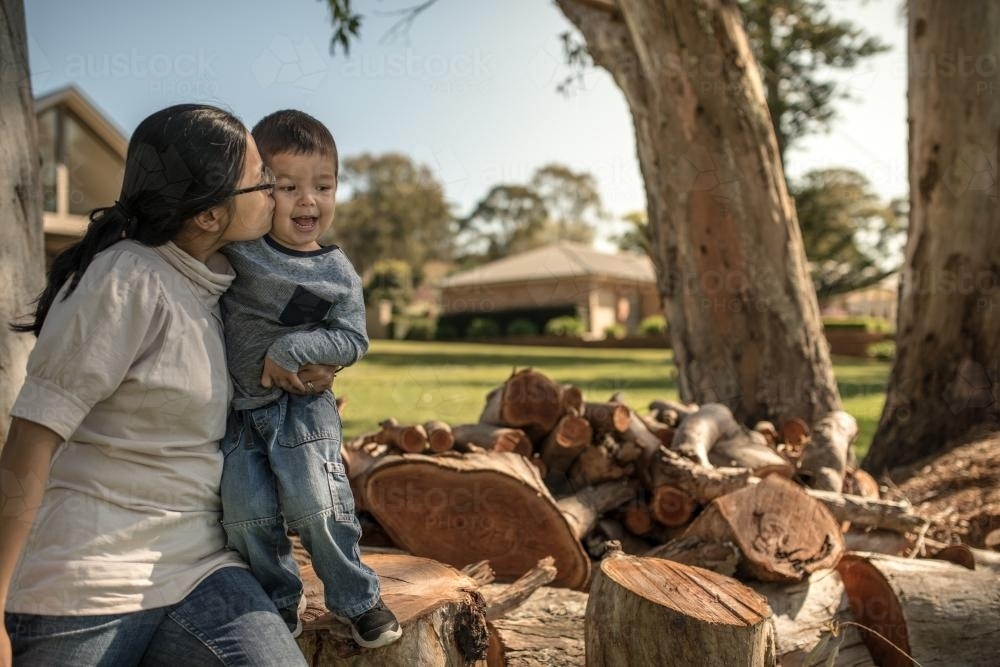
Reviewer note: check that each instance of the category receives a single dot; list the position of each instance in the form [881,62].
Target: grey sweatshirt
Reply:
[297,307]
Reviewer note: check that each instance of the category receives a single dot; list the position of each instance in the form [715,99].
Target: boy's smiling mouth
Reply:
[305,223]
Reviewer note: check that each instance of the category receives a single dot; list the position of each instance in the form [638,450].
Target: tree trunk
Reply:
[731,268]
[944,380]
[22,260]
[939,613]
[650,611]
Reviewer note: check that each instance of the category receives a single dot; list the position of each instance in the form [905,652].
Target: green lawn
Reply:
[416,381]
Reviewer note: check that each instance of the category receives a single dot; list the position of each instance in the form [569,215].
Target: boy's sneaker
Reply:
[376,627]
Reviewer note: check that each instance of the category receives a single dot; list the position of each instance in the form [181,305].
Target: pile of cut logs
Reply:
[757,544]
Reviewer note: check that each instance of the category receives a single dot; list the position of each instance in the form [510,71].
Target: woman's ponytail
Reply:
[181,161]
[107,226]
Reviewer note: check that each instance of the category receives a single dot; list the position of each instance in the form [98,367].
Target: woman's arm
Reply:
[24,470]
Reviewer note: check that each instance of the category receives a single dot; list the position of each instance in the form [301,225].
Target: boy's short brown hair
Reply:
[296,132]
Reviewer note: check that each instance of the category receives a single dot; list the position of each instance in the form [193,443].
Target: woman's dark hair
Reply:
[181,161]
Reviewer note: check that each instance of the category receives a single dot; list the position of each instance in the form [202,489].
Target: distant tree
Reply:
[849,233]
[509,219]
[572,200]
[395,210]
[796,44]
[636,237]
[392,280]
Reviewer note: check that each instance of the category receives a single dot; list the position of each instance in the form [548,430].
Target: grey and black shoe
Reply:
[376,627]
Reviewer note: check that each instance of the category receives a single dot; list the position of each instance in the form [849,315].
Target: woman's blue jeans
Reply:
[226,620]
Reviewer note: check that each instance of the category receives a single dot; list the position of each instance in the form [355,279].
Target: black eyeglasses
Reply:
[268,184]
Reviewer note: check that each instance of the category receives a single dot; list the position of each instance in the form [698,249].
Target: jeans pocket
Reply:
[309,418]
[340,492]
[234,433]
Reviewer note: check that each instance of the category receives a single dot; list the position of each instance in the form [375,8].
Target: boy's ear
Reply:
[211,220]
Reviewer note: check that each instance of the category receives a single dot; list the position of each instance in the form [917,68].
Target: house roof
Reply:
[88,112]
[558,260]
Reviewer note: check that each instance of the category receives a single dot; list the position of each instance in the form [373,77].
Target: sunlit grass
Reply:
[418,381]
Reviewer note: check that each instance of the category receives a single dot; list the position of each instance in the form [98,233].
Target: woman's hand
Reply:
[275,375]
[316,378]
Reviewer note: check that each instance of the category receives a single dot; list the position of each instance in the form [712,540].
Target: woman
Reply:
[122,560]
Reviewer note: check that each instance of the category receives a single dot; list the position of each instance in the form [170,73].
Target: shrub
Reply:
[616,331]
[867,324]
[421,328]
[522,327]
[483,327]
[884,351]
[565,326]
[653,325]
[446,331]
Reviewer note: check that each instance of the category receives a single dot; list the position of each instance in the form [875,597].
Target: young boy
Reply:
[295,302]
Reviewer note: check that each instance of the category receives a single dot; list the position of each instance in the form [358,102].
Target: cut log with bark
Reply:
[528,400]
[597,464]
[492,438]
[701,483]
[825,459]
[719,556]
[610,530]
[513,596]
[861,512]
[545,631]
[749,449]
[440,610]
[584,508]
[698,432]
[888,542]
[681,410]
[858,482]
[782,533]
[672,506]
[439,436]
[651,611]
[925,611]
[969,558]
[607,417]
[572,399]
[813,622]
[566,442]
[461,509]
[408,438]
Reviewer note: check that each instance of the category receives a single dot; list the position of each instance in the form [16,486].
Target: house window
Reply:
[95,171]
[79,170]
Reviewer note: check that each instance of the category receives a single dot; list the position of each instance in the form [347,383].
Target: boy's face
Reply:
[304,199]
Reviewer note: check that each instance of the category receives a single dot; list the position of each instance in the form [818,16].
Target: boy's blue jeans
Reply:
[283,469]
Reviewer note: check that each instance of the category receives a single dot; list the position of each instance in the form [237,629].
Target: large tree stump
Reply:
[937,612]
[649,611]
[809,623]
[488,506]
[439,609]
[782,533]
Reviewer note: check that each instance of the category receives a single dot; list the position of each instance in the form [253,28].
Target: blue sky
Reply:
[471,92]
